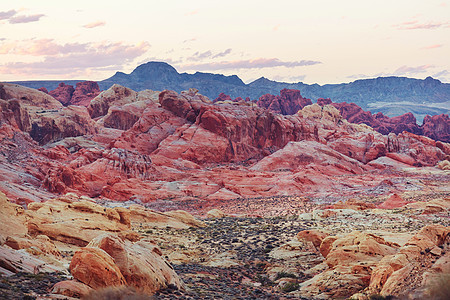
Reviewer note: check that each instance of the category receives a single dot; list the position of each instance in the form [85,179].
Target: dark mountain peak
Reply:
[233,79]
[431,82]
[154,70]
[261,82]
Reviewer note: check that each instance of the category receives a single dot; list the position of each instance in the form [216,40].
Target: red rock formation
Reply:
[288,103]
[43,89]
[84,92]
[323,101]
[95,268]
[147,146]
[437,127]
[223,97]
[63,93]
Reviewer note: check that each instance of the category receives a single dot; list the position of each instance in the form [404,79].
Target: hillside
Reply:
[370,94]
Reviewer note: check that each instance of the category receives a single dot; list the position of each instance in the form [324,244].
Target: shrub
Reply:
[290,287]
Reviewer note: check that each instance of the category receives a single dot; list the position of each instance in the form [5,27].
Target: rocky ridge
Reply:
[120,170]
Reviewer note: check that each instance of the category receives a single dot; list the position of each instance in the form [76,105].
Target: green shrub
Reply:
[290,287]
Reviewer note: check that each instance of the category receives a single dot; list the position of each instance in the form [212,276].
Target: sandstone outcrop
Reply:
[116,95]
[403,271]
[350,260]
[288,103]
[140,263]
[63,93]
[84,92]
[75,221]
[95,268]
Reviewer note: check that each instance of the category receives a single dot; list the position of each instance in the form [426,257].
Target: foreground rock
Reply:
[350,260]
[111,261]
[421,260]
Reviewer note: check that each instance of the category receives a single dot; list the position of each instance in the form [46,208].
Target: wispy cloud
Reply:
[411,25]
[223,53]
[40,47]
[199,56]
[5,15]
[442,73]
[72,58]
[401,71]
[433,46]
[26,19]
[258,63]
[94,24]
[404,70]
[189,40]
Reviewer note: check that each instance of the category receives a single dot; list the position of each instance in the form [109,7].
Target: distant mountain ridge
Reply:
[387,94]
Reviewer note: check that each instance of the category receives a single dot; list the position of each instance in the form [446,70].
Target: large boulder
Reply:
[141,263]
[116,95]
[95,268]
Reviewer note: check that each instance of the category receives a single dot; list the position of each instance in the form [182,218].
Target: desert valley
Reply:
[138,194]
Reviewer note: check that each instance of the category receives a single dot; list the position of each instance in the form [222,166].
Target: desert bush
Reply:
[290,287]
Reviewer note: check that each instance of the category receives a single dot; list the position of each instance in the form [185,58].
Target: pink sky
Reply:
[322,41]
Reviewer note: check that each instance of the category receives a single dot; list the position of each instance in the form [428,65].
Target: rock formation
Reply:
[81,95]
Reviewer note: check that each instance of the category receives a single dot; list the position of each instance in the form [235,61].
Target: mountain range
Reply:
[391,95]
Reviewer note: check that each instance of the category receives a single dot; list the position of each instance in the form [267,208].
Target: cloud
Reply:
[40,47]
[442,73]
[403,70]
[222,54]
[258,63]
[189,40]
[5,15]
[433,46]
[200,55]
[73,58]
[94,24]
[411,25]
[25,19]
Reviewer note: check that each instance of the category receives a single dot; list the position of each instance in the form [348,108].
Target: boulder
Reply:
[141,263]
[71,288]
[95,268]
[116,95]
[74,221]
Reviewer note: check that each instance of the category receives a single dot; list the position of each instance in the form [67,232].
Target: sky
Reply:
[321,41]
